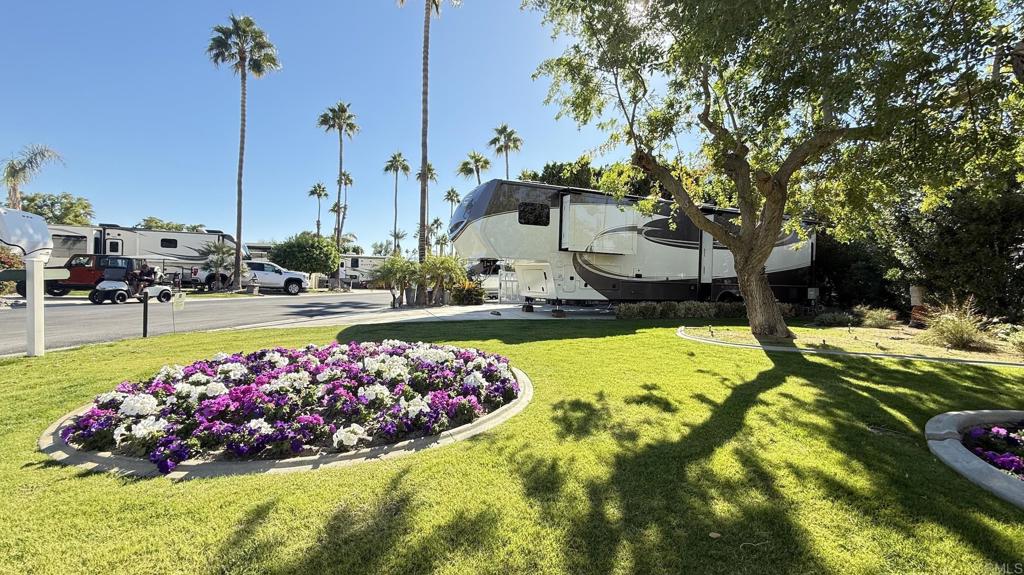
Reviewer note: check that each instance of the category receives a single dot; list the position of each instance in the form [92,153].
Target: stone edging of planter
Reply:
[51,444]
[943,433]
[681,332]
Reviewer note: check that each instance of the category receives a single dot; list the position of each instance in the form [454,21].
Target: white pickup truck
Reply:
[273,277]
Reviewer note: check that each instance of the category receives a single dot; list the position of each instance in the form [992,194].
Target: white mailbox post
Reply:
[28,235]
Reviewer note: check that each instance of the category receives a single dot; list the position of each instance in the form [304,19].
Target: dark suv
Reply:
[86,271]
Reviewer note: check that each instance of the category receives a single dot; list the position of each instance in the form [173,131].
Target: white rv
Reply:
[172,252]
[358,269]
[569,244]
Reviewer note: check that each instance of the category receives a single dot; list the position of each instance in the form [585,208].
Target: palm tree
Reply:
[396,165]
[318,191]
[396,240]
[348,241]
[428,6]
[473,165]
[245,47]
[505,140]
[345,180]
[435,229]
[442,243]
[452,197]
[19,170]
[340,119]
[431,174]
[336,209]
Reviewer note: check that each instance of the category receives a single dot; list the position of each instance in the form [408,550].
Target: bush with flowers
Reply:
[283,402]
[1001,446]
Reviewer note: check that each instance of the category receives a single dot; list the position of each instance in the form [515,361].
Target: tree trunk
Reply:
[238,207]
[394,230]
[13,196]
[506,164]
[421,291]
[341,165]
[478,182]
[318,217]
[763,311]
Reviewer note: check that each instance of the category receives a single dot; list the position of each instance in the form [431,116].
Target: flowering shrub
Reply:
[1000,445]
[281,402]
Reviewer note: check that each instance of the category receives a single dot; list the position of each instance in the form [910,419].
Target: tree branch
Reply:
[816,144]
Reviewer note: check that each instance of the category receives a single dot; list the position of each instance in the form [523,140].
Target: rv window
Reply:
[355,263]
[531,214]
[113,247]
[168,243]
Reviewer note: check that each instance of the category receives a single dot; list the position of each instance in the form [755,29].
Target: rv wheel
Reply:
[97,297]
[528,307]
[120,296]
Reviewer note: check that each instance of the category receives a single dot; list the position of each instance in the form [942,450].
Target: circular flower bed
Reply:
[277,403]
[1002,446]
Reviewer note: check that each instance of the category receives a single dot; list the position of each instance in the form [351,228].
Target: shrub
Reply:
[468,292]
[696,309]
[876,317]
[285,402]
[836,318]
[8,261]
[639,310]
[1003,331]
[957,325]
[1016,341]
[730,309]
[668,310]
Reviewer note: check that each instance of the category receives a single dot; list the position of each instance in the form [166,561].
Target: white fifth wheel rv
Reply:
[358,269]
[172,252]
[577,245]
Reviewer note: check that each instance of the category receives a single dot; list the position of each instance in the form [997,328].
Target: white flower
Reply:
[140,404]
[415,407]
[430,354]
[199,379]
[294,380]
[221,356]
[170,372]
[328,375]
[233,370]
[475,379]
[390,367]
[260,425]
[104,398]
[149,426]
[276,358]
[478,363]
[190,391]
[504,372]
[216,389]
[349,436]
[119,434]
[375,391]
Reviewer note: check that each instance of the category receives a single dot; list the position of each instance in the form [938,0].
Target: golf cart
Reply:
[118,284]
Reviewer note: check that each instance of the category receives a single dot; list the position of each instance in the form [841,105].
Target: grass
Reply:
[638,449]
[898,340]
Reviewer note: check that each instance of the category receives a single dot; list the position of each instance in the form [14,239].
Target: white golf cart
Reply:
[118,285]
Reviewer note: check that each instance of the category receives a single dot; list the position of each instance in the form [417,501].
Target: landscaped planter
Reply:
[291,409]
[946,436]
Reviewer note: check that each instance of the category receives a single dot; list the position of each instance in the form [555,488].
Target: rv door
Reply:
[596,223]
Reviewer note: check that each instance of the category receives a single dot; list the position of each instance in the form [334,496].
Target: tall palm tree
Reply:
[452,197]
[428,7]
[431,174]
[396,240]
[345,180]
[318,191]
[336,209]
[339,118]
[245,47]
[20,169]
[396,165]
[435,231]
[505,140]
[473,165]
[441,242]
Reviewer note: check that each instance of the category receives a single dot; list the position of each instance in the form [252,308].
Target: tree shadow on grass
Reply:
[661,509]
[506,331]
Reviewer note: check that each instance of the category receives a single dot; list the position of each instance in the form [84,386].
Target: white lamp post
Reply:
[27,233]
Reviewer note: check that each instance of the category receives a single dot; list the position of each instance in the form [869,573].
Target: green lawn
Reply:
[641,453]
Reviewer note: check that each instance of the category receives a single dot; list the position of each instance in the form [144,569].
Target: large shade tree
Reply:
[243,46]
[396,165]
[339,118]
[789,99]
[20,169]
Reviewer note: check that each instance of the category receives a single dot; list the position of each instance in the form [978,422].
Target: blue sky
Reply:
[147,126]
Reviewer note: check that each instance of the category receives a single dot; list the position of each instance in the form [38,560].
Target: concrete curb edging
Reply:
[943,433]
[52,445]
[681,332]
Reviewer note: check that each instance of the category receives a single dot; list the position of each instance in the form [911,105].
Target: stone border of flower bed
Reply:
[51,444]
[944,433]
[681,332]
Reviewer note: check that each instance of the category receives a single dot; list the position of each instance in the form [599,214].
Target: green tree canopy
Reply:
[790,99]
[155,223]
[307,252]
[59,208]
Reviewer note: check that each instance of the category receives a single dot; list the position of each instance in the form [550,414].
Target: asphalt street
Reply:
[71,322]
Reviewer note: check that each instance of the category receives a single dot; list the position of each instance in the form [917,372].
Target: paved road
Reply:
[71,322]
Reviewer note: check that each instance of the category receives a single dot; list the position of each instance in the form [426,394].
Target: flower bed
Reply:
[1002,446]
[277,403]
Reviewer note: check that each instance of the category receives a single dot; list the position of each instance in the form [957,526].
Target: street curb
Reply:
[681,332]
[52,445]
[943,433]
